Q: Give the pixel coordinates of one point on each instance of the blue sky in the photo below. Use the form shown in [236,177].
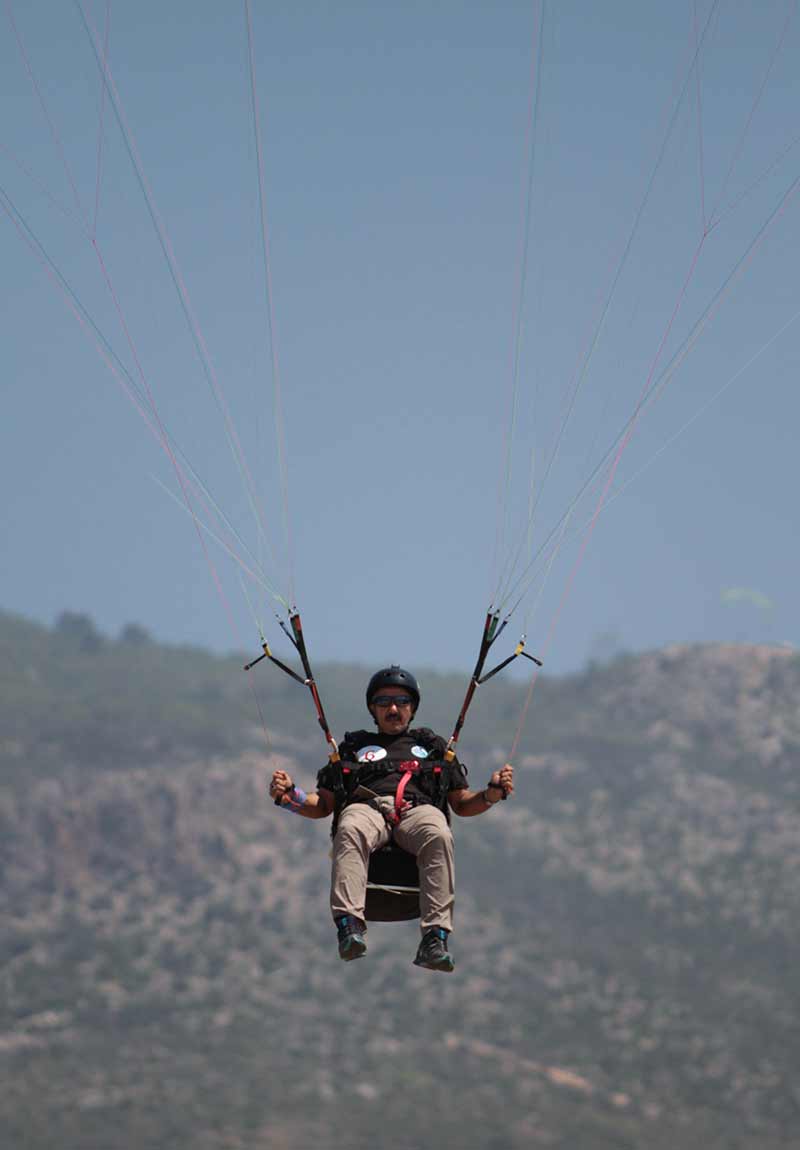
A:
[397,150]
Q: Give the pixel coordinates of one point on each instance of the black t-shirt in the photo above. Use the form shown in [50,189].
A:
[375,761]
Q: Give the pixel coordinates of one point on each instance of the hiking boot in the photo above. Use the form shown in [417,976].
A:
[433,952]
[352,943]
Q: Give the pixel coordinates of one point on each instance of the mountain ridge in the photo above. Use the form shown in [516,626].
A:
[625,938]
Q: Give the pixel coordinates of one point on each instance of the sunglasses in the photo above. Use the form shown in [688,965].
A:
[387,700]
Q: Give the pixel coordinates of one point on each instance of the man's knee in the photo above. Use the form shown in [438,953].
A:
[441,837]
[435,836]
[348,834]
[354,831]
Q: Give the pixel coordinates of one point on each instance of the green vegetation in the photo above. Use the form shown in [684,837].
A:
[75,696]
[626,944]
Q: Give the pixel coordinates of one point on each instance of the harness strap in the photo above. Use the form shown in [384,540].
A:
[409,767]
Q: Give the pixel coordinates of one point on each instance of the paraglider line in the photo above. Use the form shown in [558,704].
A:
[712,221]
[519,300]
[43,188]
[177,279]
[270,302]
[604,493]
[585,358]
[50,123]
[699,100]
[226,547]
[523,579]
[704,408]
[745,258]
[126,381]
[100,130]
[752,187]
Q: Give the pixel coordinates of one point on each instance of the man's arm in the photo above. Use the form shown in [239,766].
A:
[468,803]
[318,805]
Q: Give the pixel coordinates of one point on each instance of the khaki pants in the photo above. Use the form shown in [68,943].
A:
[422,831]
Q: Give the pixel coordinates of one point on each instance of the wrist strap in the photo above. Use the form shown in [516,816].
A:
[297,797]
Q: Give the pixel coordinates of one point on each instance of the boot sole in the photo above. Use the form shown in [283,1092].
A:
[447,966]
[357,950]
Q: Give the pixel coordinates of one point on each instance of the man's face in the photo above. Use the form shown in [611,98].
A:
[392,709]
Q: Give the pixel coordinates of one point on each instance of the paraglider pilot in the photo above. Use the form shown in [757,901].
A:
[393,784]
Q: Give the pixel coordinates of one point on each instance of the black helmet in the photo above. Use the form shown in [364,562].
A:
[393,676]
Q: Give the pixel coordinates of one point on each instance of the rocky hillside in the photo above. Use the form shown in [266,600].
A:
[627,946]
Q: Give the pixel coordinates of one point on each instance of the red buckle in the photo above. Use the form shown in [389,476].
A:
[409,767]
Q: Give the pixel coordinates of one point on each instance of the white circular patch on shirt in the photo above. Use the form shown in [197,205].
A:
[371,754]
[419,752]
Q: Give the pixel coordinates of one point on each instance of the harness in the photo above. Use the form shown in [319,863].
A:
[431,775]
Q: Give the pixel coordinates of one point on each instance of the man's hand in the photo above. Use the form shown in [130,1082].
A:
[280,785]
[500,785]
